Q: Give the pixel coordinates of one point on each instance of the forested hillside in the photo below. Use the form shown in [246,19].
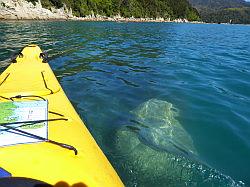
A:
[217,4]
[128,8]
[228,15]
[223,11]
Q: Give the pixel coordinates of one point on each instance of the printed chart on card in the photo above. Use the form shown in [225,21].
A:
[25,116]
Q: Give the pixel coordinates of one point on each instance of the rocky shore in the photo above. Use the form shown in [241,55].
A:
[23,10]
[118,18]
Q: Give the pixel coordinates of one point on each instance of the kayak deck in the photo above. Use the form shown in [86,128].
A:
[30,77]
[43,83]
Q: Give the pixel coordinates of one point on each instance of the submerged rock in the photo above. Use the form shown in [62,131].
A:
[158,128]
[156,150]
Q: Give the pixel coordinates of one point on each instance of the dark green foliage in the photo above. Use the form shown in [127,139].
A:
[128,8]
[33,1]
[223,11]
[229,15]
[218,4]
[46,4]
[57,3]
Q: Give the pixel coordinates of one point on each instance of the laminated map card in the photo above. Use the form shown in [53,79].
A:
[25,116]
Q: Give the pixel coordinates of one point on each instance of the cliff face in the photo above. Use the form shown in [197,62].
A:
[21,9]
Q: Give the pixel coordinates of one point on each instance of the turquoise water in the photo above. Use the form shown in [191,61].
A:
[110,69]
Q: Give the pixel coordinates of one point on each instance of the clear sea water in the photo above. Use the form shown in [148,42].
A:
[109,69]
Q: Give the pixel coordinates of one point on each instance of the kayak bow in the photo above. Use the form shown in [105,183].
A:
[49,142]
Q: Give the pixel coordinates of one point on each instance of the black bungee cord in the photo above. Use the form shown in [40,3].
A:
[8,127]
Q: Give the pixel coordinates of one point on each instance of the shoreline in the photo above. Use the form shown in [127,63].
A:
[132,19]
[123,20]
[106,19]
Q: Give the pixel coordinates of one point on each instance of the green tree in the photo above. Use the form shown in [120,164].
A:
[127,8]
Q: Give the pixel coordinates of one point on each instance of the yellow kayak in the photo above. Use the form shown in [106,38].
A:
[42,138]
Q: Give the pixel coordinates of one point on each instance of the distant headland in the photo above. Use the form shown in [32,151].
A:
[223,11]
